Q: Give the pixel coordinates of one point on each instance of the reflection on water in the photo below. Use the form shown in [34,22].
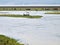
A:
[44,31]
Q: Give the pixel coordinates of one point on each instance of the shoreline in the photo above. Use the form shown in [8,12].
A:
[52,12]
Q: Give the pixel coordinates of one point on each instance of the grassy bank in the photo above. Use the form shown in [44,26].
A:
[23,16]
[4,40]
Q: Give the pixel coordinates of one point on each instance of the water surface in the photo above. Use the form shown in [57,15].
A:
[44,31]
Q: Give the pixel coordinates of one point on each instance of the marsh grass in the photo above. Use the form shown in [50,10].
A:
[23,16]
[5,40]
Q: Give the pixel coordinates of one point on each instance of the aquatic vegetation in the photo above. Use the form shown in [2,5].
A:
[24,16]
[53,12]
[5,40]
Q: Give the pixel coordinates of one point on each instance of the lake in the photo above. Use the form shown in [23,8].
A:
[41,31]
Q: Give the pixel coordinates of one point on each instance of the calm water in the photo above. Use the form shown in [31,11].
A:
[44,31]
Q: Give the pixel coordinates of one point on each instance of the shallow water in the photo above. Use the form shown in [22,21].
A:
[30,12]
[44,31]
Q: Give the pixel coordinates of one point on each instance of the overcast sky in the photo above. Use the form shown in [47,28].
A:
[21,2]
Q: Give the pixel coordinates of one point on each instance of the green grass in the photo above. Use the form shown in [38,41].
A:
[23,16]
[4,40]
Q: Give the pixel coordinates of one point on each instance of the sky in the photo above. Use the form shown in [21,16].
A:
[28,2]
